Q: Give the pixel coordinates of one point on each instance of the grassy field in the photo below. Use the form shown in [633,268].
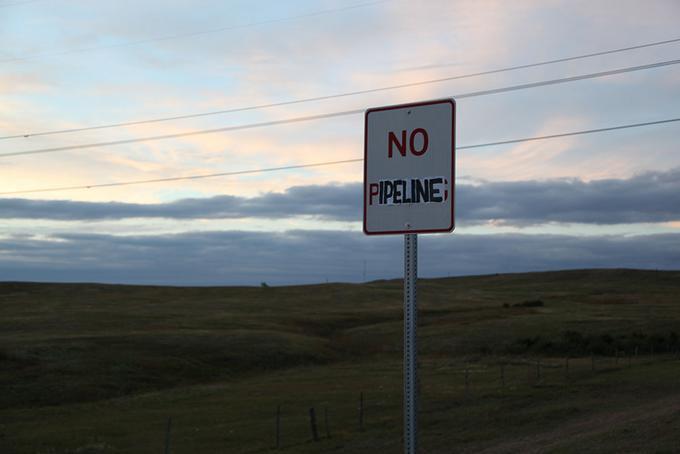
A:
[99,369]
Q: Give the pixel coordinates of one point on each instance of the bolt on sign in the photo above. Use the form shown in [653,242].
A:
[409,168]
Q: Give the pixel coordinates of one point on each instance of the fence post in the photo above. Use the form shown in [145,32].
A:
[361,411]
[325,417]
[167,435]
[278,426]
[312,423]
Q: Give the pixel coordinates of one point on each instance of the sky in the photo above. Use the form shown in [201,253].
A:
[607,199]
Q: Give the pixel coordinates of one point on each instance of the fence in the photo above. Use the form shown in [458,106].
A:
[466,376]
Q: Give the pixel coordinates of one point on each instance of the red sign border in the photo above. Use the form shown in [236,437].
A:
[452,225]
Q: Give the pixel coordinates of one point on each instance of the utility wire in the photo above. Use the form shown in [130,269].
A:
[191,177]
[330,163]
[4,5]
[189,34]
[572,133]
[334,114]
[336,95]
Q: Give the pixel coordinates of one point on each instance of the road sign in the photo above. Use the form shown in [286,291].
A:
[409,172]
[409,168]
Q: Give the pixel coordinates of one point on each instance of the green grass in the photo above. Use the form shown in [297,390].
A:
[98,368]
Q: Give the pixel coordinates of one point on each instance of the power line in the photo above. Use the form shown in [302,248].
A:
[573,133]
[562,80]
[330,163]
[4,5]
[337,95]
[191,177]
[565,59]
[189,34]
[185,134]
[335,114]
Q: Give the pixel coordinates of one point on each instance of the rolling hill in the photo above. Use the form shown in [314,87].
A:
[568,361]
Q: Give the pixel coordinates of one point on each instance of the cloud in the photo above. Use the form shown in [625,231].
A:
[648,198]
[323,201]
[353,50]
[307,256]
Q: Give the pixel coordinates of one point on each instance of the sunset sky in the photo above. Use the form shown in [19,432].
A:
[609,199]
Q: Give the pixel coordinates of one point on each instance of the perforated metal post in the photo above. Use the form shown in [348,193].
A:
[410,344]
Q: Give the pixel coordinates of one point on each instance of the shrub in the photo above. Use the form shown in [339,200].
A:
[575,343]
[530,303]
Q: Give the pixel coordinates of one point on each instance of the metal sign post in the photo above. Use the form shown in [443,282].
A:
[410,343]
[409,182]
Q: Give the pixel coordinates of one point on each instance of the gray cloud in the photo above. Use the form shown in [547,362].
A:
[650,197]
[327,202]
[215,258]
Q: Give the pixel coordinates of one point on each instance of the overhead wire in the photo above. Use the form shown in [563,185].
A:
[335,114]
[188,34]
[190,177]
[330,163]
[572,133]
[4,5]
[336,95]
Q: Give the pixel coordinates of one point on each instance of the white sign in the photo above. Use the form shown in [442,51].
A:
[409,168]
